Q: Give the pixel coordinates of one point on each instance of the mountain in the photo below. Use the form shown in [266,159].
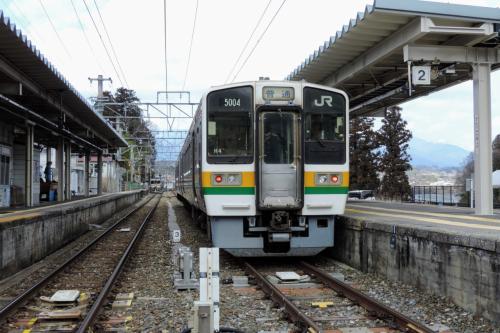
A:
[439,155]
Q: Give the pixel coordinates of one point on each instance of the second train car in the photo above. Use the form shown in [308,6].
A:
[264,167]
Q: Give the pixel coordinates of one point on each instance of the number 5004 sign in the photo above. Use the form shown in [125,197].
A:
[421,75]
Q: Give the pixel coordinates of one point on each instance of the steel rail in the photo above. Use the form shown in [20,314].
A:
[12,305]
[299,318]
[100,301]
[382,311]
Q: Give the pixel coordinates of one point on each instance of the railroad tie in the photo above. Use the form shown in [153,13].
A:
[322,305]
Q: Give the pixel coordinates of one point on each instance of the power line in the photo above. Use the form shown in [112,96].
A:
[258,40]
[31,31]
[248,42]
[102,42]
[110,43]
[190,45]
[87,38]
[165,40]
[54,28]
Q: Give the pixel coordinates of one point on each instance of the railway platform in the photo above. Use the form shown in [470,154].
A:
[29,235]
[446,250]
[448,219]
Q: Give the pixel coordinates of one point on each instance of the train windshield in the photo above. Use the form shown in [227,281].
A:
[229,126]
[325,127]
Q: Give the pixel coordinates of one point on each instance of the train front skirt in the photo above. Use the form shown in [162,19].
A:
[235,236]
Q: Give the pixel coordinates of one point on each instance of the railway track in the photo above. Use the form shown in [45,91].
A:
[92,271]
[298,309]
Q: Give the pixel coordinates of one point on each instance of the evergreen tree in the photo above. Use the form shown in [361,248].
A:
[468,170]
[496,153]
[364,157]
[136,129]
[395,160]
[468,163]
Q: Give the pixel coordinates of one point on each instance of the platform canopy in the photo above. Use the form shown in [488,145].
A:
[367,57]
[31,89]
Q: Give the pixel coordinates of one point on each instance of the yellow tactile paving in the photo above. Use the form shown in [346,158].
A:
[19,216]
[453,216]
[425,219]
[38,211]
[56,205]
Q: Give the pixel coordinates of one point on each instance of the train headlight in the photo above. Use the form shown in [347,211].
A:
[329,179]
[233,179]
[322,179]
[227,179]
[335,179]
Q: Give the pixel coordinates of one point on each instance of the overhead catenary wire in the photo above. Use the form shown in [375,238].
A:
[258,40]
[111,44]
[55,30]
[165,46]
[26,21]
[190,45]
[30,33]
[102,42]
[86,37]
[248,42]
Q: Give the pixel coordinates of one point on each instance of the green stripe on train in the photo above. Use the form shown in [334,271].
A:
[229,190]
[326,190]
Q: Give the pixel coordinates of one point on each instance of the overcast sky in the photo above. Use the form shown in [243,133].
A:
[222,28]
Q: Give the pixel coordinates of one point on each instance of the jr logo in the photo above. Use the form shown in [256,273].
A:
[324,99]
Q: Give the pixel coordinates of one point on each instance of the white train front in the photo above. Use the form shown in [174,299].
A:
[265,167]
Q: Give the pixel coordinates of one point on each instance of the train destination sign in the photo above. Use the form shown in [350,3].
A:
[278,93]
[232,99]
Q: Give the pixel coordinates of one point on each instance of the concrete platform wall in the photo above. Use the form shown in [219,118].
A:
[27,237]
[461,267]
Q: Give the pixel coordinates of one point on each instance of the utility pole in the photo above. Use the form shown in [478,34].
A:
[100,90]
[132,164]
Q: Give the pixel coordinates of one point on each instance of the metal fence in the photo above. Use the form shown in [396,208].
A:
[439,195]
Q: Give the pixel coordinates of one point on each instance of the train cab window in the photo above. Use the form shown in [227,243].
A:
[324,127]
[229,126]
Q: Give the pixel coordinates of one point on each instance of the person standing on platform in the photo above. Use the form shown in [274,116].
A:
[48,172]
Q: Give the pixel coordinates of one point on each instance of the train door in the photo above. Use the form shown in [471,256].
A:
[280,166]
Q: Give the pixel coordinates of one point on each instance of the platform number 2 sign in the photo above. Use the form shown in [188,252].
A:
[421,75]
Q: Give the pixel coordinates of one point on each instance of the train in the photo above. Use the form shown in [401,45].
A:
[265,167]
[156,185]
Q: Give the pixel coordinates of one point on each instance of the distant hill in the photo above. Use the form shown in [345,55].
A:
[438,155]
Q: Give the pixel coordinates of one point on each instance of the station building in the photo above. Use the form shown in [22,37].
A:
[52,142]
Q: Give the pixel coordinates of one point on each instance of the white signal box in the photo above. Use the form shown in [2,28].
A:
[421,75]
